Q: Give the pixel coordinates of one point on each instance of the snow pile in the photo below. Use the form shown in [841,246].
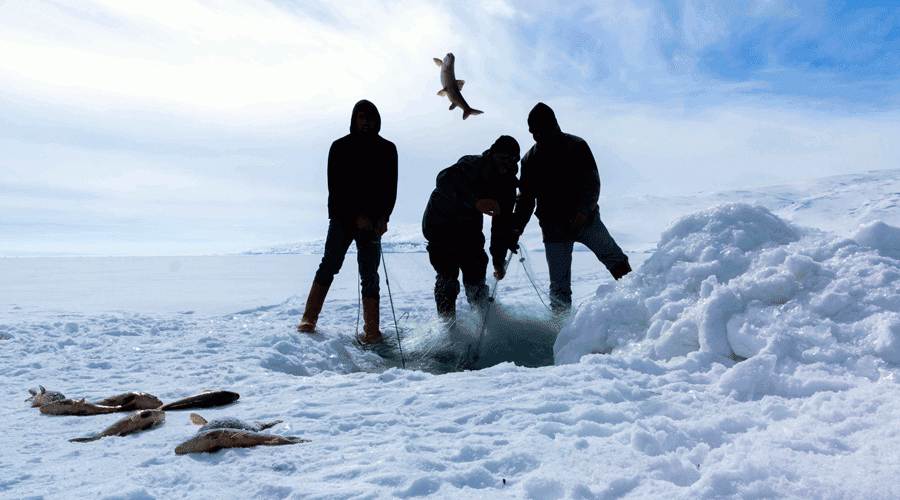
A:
[736,282]
[878,235]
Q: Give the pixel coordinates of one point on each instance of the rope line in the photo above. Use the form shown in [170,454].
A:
[358,303]
[527,274]
[487,310]
[391,298]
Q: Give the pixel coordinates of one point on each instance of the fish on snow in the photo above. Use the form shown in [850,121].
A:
[231,433]
[138,421]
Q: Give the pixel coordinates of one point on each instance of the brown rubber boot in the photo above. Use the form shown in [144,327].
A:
[371,321]
[314,303]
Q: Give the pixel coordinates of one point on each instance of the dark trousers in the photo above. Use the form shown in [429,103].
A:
[368,254]
[593,235]
[447,263]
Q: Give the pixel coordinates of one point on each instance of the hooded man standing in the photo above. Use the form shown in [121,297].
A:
[560,178]
[474,186]
[362,191]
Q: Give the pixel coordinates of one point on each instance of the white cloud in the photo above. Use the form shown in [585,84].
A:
[499,8]
[227,58]
[226,110]
[143,178]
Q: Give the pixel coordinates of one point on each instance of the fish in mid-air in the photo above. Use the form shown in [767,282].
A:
[452,86]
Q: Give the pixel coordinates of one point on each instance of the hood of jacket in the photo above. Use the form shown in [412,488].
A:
[543,117]
[371,110]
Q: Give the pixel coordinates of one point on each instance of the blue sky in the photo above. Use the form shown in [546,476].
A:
[185,127]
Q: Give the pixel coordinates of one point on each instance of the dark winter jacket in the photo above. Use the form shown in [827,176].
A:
[451,219]
[362,172]
[559,179]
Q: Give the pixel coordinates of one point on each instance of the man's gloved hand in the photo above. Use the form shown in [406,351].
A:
[514,243]
[381,227]
[487,207]
[364,223]
[499,272]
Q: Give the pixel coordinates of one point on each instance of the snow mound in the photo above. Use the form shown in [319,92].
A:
[735,282]
[881,237]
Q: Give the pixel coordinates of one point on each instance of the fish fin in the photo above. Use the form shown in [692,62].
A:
[452,105]
[438,62]
[460,83]
[263,427]
[442,92]
[471,112]
[197,419]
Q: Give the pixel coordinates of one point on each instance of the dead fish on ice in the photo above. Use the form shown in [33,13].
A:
[136,422]
[206,399]
[230,423]
[55,403]
[131,401]
[44,397]
[77,407]
[452,86]
[231,433]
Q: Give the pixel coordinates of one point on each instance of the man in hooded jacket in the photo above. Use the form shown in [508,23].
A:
[362,191]
[560,184]
[474,186]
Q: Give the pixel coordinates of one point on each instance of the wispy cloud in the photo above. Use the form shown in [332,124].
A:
[167,110]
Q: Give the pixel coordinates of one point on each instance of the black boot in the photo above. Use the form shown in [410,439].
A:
[445,293]
[477,296]
[446,309]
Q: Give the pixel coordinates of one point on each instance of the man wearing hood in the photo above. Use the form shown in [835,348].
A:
[560,183]
[362,190]
[474,186]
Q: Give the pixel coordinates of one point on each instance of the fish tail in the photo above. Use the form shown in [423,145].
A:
[468,112]
[85,440]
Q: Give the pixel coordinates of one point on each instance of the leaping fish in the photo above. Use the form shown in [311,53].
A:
[452,86]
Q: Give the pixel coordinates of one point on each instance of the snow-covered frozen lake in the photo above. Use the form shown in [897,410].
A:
[750,355]
[210,285]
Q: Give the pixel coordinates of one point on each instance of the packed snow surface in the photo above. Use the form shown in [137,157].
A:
[747,356]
